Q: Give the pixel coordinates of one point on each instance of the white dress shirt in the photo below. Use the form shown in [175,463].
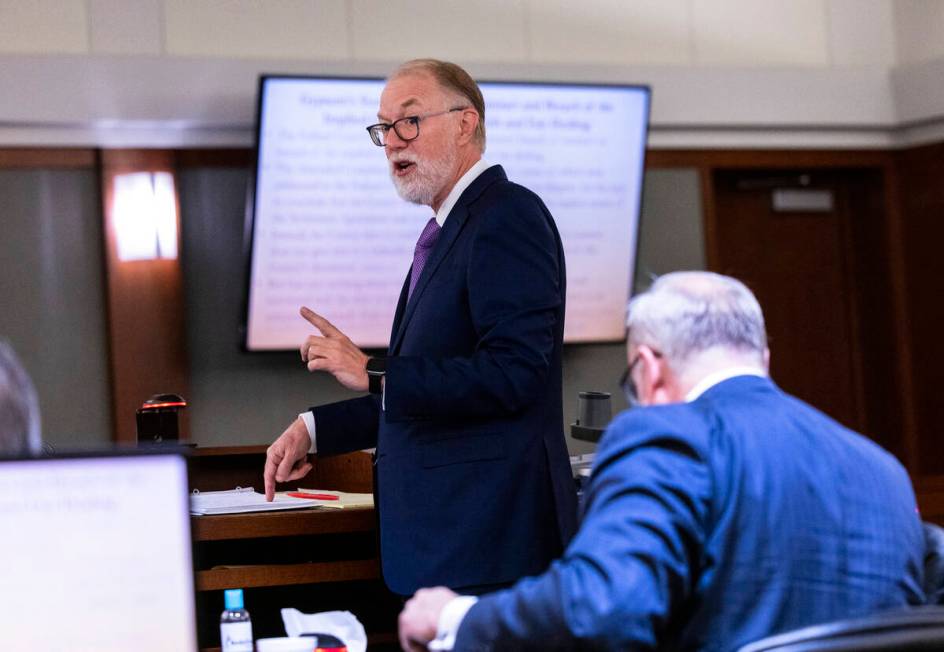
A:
[720,376]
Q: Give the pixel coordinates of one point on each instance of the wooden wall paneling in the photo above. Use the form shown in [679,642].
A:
[920,171]
[929,490]
[764,158]
[237,157]
[145,302]
[655,158]
[47,158]
[876,316]
[900,343]
[846,188]
[875,313]
[710,217]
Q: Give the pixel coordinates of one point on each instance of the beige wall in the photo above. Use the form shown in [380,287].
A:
[725,73]
[817,33]
[920,30]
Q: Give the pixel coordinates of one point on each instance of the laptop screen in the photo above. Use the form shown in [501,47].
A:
[95,554]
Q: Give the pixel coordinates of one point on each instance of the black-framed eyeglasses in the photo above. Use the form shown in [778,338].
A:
[407,128]
[628,385]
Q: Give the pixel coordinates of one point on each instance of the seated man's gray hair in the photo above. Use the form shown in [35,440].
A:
[19,407]
[685,313]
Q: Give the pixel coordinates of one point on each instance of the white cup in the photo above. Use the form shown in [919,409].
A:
[285,644]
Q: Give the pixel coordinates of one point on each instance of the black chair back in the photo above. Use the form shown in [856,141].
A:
[934,563]
[919,628]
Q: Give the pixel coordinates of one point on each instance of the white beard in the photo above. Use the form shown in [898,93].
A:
[427,180]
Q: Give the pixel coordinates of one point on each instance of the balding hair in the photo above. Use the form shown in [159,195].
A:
[456,82]
[684,314]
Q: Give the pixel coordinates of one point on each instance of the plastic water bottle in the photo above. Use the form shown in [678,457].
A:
[235,627]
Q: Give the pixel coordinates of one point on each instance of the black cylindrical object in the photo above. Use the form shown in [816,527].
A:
[157,419]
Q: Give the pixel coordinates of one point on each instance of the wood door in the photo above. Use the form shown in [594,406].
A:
[800,265]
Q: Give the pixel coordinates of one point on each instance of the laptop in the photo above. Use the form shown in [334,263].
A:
[96,553]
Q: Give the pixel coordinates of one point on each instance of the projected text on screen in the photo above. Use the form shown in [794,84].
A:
[330,232]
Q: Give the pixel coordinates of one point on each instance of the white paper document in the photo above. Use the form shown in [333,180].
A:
[240,501]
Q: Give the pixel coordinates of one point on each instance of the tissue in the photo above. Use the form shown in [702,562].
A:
[342,624]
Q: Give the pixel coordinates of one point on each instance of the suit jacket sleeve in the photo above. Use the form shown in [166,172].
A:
[629,566]
[347,426]
[515,293]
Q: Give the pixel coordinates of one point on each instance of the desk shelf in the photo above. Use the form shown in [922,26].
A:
[289,523]
[311,559]
[255,576]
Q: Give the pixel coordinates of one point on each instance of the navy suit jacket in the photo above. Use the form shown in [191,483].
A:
[711,524]
[473,477]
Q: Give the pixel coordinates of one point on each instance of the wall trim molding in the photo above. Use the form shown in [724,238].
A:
[119,134]
[184,102]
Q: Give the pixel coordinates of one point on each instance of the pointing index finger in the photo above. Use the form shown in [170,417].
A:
[268,475]
[319,322]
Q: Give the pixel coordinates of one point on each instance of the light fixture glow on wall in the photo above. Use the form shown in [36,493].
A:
[145,216]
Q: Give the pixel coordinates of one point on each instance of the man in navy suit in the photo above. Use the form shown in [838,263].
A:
[473,483]
[726,512]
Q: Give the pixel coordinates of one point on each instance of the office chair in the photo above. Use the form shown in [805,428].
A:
[933,563]
[918,628]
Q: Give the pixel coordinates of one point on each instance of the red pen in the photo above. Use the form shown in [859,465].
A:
[298,494]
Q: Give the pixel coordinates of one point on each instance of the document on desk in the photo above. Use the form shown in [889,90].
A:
[344,498]
[241,501]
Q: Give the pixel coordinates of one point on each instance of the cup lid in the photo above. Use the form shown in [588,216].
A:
[285,644]
[594,396]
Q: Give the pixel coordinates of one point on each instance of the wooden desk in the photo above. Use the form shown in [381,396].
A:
[313,560]
[304,523]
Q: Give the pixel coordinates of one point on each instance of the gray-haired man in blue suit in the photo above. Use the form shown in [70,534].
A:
[725,512]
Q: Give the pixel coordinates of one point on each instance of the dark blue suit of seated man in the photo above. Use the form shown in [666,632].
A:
[725,512]
[473,484]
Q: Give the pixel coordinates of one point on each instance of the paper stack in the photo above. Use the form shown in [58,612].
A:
[240,501]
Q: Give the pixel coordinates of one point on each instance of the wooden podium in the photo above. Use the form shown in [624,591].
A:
[313,560]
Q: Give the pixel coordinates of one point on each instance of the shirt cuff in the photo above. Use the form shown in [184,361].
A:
[309,419]
[449,620]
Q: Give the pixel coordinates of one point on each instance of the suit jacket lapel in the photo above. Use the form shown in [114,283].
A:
[455,221]
[401,308]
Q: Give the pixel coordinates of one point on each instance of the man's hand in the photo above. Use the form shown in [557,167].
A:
[287,457]
[420,617]
[334,353]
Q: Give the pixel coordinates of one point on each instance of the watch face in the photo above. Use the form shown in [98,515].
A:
[376,365]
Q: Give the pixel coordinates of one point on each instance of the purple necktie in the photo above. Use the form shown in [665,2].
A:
[423,248]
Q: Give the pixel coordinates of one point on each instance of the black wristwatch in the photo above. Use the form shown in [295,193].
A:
[376,368]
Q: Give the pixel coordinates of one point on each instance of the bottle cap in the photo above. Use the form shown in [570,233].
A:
[233,598]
